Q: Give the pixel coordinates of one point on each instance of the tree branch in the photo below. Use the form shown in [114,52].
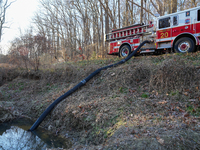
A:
[142,7]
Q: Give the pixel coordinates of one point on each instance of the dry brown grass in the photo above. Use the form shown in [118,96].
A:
[7,73]
[174,75]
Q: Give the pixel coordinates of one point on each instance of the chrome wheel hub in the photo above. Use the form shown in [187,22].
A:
[124,52]
[183,46]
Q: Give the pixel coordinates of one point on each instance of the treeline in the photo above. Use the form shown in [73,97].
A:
[65,30]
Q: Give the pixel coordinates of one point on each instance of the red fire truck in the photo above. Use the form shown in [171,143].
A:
[178,32]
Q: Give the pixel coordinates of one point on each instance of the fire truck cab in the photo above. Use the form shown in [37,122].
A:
[178,32]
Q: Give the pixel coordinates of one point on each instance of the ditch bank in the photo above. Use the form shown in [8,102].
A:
[147,102]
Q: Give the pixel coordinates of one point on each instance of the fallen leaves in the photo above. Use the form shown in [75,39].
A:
[112,74]
[180,110]
[74,112]
[131,91]
[162,102]
[161,141]
[186,115]
[185,93]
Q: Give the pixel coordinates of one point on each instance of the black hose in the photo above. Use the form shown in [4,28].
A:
[48,110]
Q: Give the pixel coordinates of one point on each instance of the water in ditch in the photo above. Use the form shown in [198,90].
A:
[14,136]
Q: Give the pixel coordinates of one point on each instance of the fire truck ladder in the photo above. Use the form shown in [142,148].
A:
[129,31]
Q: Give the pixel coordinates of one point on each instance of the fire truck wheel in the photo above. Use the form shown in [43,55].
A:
[125,51]
[184,45]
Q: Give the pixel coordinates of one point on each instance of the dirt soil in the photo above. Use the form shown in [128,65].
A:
[150,102]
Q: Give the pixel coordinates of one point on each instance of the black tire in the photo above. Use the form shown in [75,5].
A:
[124,51]
[184,45]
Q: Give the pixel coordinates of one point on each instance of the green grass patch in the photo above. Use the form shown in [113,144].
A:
[193,111]
[145,95]
[123,90]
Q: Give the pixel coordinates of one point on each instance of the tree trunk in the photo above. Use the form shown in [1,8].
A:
[126,14]
[102,32]
[132,20]
[119,19]
[173,6]
[141,13]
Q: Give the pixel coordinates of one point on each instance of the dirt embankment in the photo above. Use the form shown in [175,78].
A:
[149,102]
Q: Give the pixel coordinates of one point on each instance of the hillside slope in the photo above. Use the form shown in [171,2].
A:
[149,102]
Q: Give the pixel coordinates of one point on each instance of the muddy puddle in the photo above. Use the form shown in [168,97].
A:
[14,136]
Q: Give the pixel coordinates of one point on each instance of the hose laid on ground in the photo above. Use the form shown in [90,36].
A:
[48,110]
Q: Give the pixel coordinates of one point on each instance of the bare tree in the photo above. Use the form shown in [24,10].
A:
[4,4]
[27,50]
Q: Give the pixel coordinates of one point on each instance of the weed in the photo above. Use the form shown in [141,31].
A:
[123,90]
[3,93]
[20,84]
[114,96]
[10,86]
[114,120]
[193,111]
[54,86]
[145,95]
[21,88]
[9,96]
[173,93]
[158,60]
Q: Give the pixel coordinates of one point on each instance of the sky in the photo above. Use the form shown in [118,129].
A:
[18,16]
